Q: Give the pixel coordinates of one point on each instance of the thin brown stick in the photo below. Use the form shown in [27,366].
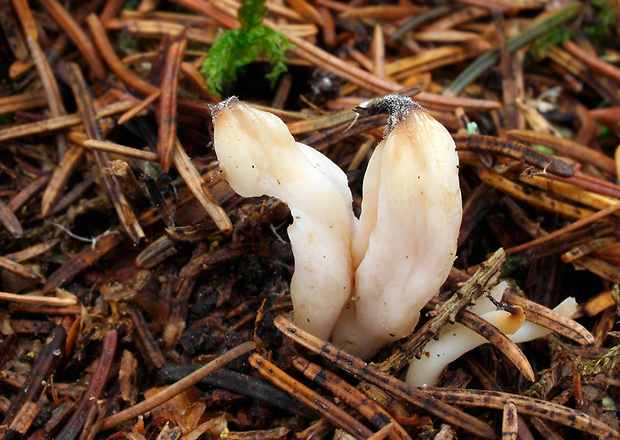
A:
[115,148]
[306,10]
[498,339]
[18,269]
[374,375]
[109,55]
[508,8]
[512,76]
[574,66]
[366,406]
[24,14]
[563,190]
[75,424]
[22,101]
[32,189]
[486,380]
[81,261]
[74,194]
[209,10]
[58,123]
[149,348]
[378,60]
[47,362]
[588,128]
[143,105]
[123,209]
[32,251]
[188,171]
[510,422]
[595,63]
[533,196]
[150,28]
[383,11]
[193,75]
[50,86]
[24,419]
[37,300]
[559,232]
[567,147]
[10,221]
[61,175]
[310,398]
[14,38]
[525,405]
[514,150]
[167,116]
[111,9]
[77,35]
[177,387]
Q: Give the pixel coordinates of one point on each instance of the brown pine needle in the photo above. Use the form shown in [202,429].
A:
[177,387]
[62,173]
[310,398]
[374,375]
[77,35]
[167,130]
[143,105]
[562,231]
[525,405]
[188,171]
[37,299]
[112,147]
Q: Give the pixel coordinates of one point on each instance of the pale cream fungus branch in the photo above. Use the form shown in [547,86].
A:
[362,283]
[455,339]
[406,241]
[259,156]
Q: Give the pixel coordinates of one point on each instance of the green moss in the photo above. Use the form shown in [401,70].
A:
[131,5]
[598,29]
[553,38]
[544,149]
[606,17]
[512,264]
[603,363]
[236,48]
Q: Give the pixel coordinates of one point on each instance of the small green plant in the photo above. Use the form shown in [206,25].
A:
[605,17]
[597,30]
[603,363]
[553,38]
[236,48]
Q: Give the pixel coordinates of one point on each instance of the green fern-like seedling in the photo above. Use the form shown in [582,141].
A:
[236,48]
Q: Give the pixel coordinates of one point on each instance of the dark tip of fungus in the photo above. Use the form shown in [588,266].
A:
[396,106]
[227,103]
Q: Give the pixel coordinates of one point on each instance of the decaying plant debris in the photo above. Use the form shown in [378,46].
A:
[128,264]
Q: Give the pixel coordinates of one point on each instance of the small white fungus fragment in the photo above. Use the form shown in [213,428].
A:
[455,339]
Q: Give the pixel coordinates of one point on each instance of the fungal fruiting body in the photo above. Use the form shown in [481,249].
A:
[361,283]
[405,244]
[259,156]
[455,339]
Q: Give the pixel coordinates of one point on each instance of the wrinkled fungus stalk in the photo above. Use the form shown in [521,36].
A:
[405,244]
[361,283]
[259,156]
